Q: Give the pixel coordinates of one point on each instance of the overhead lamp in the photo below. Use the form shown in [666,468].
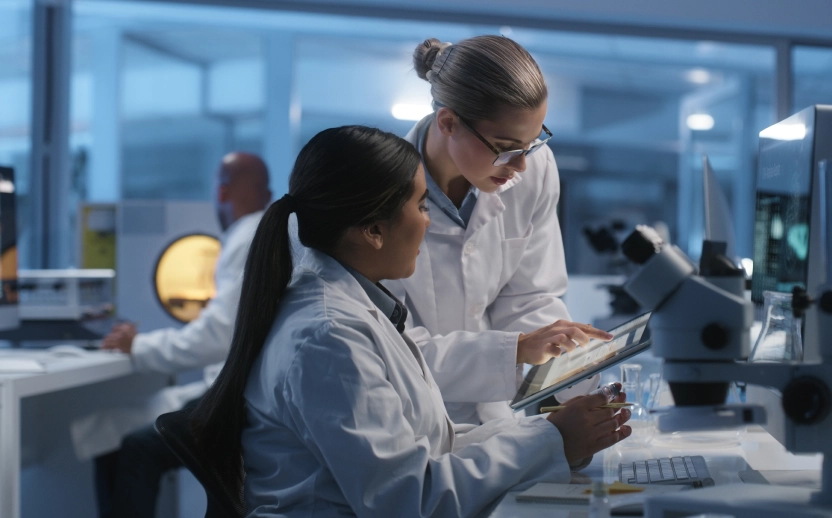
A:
[699,76]
[700,122]
[410,112]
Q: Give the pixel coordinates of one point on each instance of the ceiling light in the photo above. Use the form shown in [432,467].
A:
[699,76]
[700,122]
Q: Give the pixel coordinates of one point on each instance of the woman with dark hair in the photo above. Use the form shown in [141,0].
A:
[324,406]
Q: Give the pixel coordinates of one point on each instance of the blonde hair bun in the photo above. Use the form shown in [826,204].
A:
[425,56]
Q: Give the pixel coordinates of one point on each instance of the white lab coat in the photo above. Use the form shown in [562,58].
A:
[476,289]
[202,343]
[344,418]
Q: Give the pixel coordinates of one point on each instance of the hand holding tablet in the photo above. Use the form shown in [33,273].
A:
[561,372]
[551,341]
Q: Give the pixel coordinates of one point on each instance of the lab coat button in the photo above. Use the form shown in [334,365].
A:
[475,310]
[469,248]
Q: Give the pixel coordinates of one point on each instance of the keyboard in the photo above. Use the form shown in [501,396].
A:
[690,471]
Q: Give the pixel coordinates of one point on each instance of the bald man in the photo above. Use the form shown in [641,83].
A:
[127,481]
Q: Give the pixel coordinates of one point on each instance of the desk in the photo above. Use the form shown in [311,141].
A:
[757,450]
[35,412]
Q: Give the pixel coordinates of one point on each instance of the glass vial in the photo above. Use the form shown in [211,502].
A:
[611,391]
[599,500]
[641,421]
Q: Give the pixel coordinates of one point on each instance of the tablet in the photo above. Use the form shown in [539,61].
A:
[564,371]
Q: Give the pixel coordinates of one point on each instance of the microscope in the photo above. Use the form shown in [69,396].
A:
[700,328]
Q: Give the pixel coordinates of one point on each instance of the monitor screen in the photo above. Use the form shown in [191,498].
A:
[8,250]
[781,222]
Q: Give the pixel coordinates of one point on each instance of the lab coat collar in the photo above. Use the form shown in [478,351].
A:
[488,207]
[385,301]
[334,273]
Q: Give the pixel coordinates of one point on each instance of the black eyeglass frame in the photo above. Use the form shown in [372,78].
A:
[504,157]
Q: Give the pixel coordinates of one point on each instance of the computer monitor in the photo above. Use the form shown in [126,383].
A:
[9,318]
[719,222]
[789,154]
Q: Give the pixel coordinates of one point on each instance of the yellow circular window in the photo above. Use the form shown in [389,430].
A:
[184,277]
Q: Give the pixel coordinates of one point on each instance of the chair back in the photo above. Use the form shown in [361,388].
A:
[175,430]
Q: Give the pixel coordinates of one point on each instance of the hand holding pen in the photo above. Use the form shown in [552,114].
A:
[587,425]
[612,391]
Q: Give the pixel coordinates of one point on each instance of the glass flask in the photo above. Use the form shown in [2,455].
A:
[641,421]
[780,338]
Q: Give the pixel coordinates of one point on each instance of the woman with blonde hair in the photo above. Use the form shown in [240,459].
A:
[485,296]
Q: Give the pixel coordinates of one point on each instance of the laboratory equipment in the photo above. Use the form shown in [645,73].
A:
[611,390]
[700,328]
[790,151]
[718,221]
[642,422]
[780,338]
[144,231]
[599,500]
[63,306]
[66,294]
[687,470]
[184,276]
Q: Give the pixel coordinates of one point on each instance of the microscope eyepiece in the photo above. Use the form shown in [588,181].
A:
[642,244]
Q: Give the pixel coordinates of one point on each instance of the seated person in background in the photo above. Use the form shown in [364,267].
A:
[128,479]
[324,406]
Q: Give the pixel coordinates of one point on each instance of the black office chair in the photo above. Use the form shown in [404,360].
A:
[176,434]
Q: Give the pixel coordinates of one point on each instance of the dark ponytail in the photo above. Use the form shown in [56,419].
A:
[344,177]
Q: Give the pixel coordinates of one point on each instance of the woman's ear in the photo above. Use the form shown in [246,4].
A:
[446,121]
[373,235]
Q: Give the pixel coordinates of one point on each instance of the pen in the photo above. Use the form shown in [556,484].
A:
[545,409]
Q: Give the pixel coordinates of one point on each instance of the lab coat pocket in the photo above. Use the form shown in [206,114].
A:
[513,250]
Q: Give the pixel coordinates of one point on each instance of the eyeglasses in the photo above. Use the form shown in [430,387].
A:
[505,157]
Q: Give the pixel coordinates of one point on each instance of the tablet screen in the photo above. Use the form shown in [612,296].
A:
[583,362]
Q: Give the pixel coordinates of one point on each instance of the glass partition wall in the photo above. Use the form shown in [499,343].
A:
[160,91]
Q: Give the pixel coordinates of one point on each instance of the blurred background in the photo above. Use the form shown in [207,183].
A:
[159,91]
